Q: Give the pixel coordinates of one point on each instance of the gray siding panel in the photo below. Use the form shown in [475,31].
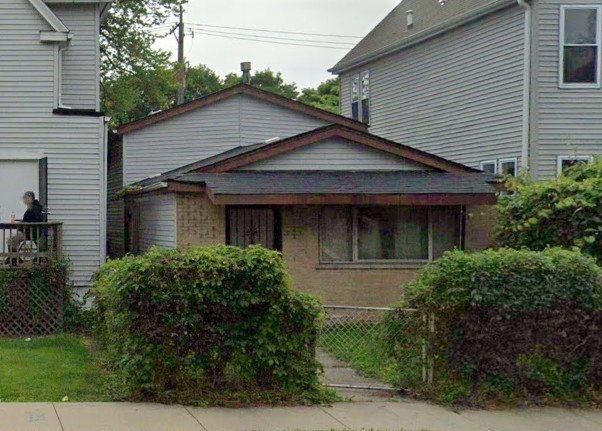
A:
[335,155]
[80,66]
[72,144]
[567,121]
[157,222]
[458,96]
[196,135]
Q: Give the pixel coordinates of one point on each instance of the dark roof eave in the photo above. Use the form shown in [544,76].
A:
[345,65]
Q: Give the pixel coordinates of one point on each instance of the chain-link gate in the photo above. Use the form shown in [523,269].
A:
[360,338]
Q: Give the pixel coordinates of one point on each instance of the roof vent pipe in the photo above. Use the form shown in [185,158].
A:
[245,68]
[410,18]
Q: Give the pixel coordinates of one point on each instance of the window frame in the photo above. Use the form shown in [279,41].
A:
[360,92]
[379,262]
[560,159]
[489,162]
[508,160]
[562,45]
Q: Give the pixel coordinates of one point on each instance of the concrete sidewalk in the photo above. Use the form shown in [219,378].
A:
[406,415]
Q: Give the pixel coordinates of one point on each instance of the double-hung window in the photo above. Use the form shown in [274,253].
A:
[360,97]
[381,234]
[580,44]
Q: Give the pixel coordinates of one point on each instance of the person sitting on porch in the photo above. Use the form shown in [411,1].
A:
[33,214]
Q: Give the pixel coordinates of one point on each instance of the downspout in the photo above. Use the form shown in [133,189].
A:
[525,150]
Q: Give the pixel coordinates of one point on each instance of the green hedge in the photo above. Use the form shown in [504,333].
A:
[507,323]
[209,326]
[564,212]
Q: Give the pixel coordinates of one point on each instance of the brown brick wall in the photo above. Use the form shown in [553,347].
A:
[199,222]
[202,224]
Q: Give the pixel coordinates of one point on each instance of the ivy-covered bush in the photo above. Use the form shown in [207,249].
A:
[564,212]
[209,326]
[508,323]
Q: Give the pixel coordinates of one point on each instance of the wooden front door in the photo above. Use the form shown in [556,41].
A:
[253,226]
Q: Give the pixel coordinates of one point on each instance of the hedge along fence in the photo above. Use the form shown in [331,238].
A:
[208,325]
[508,323]
[33,299]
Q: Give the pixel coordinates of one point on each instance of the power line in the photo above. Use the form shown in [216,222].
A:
[261,30]
[206,32]
[345,44]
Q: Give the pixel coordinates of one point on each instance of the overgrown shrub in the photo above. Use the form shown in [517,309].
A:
[508,323]
[564,212]
[209,326]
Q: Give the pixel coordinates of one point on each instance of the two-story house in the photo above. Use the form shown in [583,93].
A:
[498,85]
[52,135]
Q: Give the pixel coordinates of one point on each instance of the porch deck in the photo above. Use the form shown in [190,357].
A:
[27,244]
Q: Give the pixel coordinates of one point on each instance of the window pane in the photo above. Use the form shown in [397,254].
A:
[508,168]
[355,111]
[355,89]
[336,235]
[488,167]
[446,229]
[365,85]
[580,64]
[580,26]
[569,163]
[366,111]
[392,233]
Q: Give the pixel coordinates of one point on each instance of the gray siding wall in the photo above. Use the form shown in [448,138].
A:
[72,144]
[459,96]
[80,59]
[565,122]
[196,135]
[157,222]
[333,155]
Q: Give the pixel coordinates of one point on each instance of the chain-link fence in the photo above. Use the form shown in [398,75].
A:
[386,344]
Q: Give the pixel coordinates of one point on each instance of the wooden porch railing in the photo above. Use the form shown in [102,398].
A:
[26,244]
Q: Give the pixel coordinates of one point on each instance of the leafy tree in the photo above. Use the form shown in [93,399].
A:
[326,96]
[565,212]
[201,81]
[266,80]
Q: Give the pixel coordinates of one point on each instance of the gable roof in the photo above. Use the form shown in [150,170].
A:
[247,90]
[431,18]
[246,155]
[53,21]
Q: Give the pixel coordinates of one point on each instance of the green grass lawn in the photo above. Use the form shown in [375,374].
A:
[49,369]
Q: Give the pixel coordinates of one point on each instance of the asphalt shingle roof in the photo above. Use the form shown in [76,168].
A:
[333,182]
[429,17]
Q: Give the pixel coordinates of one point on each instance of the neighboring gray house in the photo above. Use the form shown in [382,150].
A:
[52,135]
[495,84]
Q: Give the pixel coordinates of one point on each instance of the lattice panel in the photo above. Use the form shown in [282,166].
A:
[30,305]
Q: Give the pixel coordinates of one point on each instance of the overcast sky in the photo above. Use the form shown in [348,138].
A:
[307,66]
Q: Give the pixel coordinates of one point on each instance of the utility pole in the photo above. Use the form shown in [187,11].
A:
[181,60]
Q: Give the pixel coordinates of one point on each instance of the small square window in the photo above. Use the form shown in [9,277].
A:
[567,162]
[489,166]
[508,167]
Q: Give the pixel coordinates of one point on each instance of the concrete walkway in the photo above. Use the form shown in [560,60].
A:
[396,416]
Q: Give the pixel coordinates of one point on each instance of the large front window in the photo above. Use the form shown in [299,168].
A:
[580,46]
[388,234]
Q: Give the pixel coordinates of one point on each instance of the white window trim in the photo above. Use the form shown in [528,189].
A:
[510,159]
[561,45]
[489,162]
[355,260]
[561,159]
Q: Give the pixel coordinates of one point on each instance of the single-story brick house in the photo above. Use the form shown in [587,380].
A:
[355,215]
